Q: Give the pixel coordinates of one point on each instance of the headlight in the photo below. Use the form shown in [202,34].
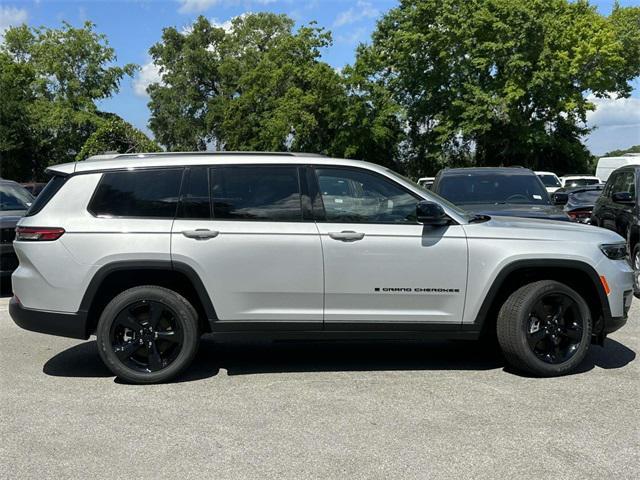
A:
[614,251]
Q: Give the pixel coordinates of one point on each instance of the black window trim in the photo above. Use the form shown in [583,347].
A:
[322,217]
[135,217]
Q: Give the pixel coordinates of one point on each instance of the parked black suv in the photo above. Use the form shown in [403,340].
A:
[617,210]
[505,191]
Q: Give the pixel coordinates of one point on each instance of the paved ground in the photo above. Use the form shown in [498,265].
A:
[441,410]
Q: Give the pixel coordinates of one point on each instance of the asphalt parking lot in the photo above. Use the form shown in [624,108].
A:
[424,410]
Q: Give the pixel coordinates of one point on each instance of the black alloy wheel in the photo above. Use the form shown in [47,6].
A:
[146,336]
[555,328]
[544,328]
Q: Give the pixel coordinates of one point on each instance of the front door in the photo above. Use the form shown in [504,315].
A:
[242,229]
[381,266]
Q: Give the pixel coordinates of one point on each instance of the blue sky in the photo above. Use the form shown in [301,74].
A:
[133,26]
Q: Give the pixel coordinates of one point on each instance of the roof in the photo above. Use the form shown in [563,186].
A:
[487,171]
[577,175]
[179,159]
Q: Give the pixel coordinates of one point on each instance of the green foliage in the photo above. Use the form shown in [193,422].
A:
[501,82]
[261,86]
[619,153]
[50,81]
[116,135]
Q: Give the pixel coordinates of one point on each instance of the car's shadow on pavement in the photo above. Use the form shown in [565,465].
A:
[247,358]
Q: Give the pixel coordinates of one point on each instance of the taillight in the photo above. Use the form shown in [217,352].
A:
[38,234]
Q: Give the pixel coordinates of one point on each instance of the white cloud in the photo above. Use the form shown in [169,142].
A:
[616,121]
[149,73]
[11,17]
[362,10]
[614,111]
[197,6]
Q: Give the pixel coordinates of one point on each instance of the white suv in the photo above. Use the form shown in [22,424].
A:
[149,251]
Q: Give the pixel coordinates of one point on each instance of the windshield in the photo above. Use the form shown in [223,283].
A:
[549,180]
[581,182]
[14,197]
[495,188]
[444,202]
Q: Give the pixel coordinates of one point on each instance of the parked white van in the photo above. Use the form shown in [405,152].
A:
[606,165]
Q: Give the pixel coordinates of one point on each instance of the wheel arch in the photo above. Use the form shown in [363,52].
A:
[578,275]
[116,277]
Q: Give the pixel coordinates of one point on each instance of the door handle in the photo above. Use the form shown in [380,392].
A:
[347,235]
[200,233]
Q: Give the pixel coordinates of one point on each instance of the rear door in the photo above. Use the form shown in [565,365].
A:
[382,268]
[244,230]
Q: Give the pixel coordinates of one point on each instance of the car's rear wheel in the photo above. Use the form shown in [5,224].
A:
[148,334]
[544,328]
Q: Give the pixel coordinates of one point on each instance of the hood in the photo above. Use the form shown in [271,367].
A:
[549,212]
[540,229]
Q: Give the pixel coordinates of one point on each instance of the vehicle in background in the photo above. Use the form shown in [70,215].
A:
[606,165]
[426,182]
[571,181]
[34,188]
[14,203]
[578,201]
[617,210]
[504,191]
[550,181]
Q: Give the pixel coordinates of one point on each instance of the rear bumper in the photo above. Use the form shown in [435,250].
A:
[73,325]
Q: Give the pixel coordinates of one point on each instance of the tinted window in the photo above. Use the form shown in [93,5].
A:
[549,180]
[478,188]
[625,182]
[14,197]
[141,193]
[581,182]
[267,193]
[46,194]
[194,200]
[356,196]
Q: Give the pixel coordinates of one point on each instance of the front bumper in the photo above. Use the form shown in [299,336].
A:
[73,325]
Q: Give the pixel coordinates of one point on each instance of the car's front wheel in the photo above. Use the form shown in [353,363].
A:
[148,334]
[544,328]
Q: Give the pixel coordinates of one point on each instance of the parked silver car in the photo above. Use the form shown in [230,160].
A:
[149,251]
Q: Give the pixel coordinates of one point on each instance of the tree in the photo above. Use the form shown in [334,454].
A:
[260,85]
[621,152]
[116,135]
[53,78]
[501,82]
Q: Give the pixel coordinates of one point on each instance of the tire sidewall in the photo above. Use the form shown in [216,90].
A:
[523,321]
[185,315]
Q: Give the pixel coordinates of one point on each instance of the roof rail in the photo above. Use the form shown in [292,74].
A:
[112,156]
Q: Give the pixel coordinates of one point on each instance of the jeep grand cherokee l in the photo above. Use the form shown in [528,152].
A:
[149,251]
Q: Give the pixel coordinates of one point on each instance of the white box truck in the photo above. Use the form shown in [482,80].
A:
[606,165]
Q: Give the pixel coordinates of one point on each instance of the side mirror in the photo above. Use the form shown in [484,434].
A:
[622,197]
[429,213]
[560,198]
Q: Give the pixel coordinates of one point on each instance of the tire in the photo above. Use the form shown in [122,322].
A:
[635,264]
[530,329]
[148,334]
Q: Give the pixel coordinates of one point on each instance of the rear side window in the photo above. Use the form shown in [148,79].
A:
[266,193]
[194,200]
[47,193]
[141,193]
